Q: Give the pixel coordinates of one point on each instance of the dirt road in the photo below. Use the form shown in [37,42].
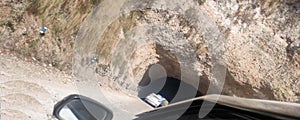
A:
[29,91]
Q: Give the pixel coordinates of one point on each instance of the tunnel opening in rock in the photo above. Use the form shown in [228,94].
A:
[164,78]
[167,90]
[165,86]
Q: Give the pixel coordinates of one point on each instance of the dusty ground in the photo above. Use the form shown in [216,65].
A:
[29,91]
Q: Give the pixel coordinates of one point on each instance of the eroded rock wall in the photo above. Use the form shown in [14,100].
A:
[262,47]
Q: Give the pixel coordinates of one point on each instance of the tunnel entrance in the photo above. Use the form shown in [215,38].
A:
[156,81]
[164,78]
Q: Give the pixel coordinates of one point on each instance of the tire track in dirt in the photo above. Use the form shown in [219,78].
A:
[10,114]
[25,103]
[29,90]
[24,96]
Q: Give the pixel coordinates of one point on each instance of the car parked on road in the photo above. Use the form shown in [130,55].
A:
[156,100]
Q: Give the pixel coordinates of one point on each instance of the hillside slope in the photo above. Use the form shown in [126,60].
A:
[257,42]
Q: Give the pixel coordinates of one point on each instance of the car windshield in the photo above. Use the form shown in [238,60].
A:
[151,58]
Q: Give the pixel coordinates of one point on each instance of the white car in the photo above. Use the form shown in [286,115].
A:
[155,99]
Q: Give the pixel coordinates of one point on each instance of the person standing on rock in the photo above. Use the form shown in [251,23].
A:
[43,31]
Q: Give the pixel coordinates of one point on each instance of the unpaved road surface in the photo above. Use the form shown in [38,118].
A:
[29,91]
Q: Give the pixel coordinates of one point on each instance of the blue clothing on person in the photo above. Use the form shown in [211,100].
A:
[43,30]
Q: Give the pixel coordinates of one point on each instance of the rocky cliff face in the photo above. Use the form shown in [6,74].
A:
[250,46]
[262,48]
[260,40]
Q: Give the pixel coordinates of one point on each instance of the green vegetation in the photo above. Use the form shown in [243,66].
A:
[95,2]
[33,43]
[10,25]
[201,2]
[108,40]
[33,7]
[61,17]
[270,3]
